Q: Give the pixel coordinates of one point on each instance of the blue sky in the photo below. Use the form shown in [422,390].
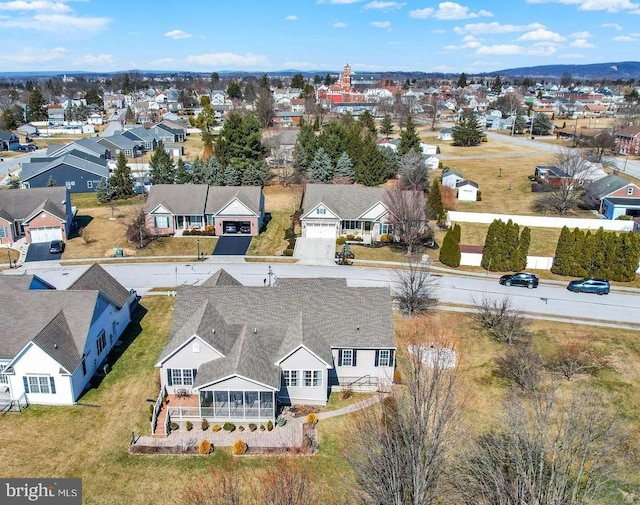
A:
[264,35]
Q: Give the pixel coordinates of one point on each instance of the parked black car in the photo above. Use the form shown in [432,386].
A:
[590,285]
[56,247]
[520,279]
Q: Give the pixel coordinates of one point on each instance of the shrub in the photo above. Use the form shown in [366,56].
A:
[189,425]
[287,252]
[281,421]
[205,425]
[385,238]
[358,238]
[229,427]
[262,427]
[312,418]
[240,428]
[239,447]
[174,426]
[269,425]
[340,240]
[289,234]
[186,232]
[210,229]
[350,236]
[253,427]
[205,447]
[347,393]
[397,377]
[216,427]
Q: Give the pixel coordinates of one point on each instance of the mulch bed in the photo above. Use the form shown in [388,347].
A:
[163,450]
[303,410]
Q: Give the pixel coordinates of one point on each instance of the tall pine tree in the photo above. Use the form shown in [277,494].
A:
[161,168]
[321,169]
[183,176]
[372,169]
[121,179]
[409,139]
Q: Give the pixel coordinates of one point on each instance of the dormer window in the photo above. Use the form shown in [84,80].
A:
[321,210]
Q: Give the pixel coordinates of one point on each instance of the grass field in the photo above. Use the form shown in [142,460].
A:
[90,440]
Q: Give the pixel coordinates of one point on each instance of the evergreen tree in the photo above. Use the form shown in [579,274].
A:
[240,141]
[121,180]
[520,124]
[51,182]
[467,131]
[457,232]
[629,256]
[409,139]
[234,91]
[344,168]
[462,80]
[450,250]
[321,169]
[386,126]
[511,241]
[520,261]
[366,121]
[104,191]
[197,171]
[212,173]
[435,208]
[392,161]
[371,170]
[333,140]
[492,253]
[305,148]
[542,125]
[36,106]
[354,142]
[183,176]
[496,87]
[413,171]
[128,115]
[562,258]
[161,168]
[231,176]
[256,173]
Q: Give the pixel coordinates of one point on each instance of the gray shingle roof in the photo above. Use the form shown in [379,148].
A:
[20,203]
[49,207]
[199,199]
[606,185]
[221,278]
[348,201]
[219,196]
[97,278]
[77,159]
[257,326]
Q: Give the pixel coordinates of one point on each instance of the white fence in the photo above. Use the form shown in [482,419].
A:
[533,262]
[540,221]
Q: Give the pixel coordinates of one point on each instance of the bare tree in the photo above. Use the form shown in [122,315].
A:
[400,456]
[500,318]
[220,487]
[521,364]
[406,214]
[416,289]
[549,449]
[565,194]
[575,358]
[137,228]
[413,171]
[285,482]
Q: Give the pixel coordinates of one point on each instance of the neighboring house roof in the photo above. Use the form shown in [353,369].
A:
[221,278]
[219,197]
[630,131]
[448,172]
[622,201]
[606,185]
[8,136]
[21,203]
[96,277]
[49,207]
[120,141]
[256,327]
[467,183]
[139,133]
[75,158]
[347,201]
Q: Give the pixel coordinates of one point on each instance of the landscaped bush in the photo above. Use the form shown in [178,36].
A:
[239,447]
[186,233]
[397,377]
[269,425]
[240,428]
[205,447]
[216,427]
[281,421]
[340,241]
[228,427]
[289,234]
[205,425]
[350,236]
[174,426]
[287,252]
[189,425]
[311,418]
[151,412]
[262,428]
[385,238]
[253,427]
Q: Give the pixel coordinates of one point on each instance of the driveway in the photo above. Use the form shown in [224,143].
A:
[232,245]
[315,251]
[40,252]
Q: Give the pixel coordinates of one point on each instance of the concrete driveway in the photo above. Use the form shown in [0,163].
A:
[40,252]
[315,251]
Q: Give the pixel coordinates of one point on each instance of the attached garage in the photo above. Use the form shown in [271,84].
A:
[45,234]
[320,230]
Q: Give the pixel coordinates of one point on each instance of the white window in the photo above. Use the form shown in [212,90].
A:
[101,343]
[68,184]
[350,225]
[3,378]
[347,357]
[386,228]
[321,210]
[630,191]
[290,378]
[317,378]
[39,384]
[307,378]
[182,376]
[161,221]
[384,357]
[195,347]
[90,184]
[3,232]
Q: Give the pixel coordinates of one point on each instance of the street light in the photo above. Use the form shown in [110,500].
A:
[9,256]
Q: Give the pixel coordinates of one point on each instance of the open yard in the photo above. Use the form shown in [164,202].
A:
[90,440]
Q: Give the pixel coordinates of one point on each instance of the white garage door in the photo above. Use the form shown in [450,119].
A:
[321,230]
[45,234]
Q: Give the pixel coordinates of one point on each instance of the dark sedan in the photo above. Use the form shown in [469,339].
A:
[590,285]
[56,247]
[520,279]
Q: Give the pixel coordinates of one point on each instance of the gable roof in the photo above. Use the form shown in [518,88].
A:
[348,201]
[87,145]
[120,141]
[221,278]
[49,207]
[218,197]
[97,278]
[74,158]
[606,185]
[255,327]
[467,183]
[448,172]
[21,203]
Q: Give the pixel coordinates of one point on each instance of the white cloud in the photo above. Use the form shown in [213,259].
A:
[384,6]
[59,24]
[228,60]
[381,24]
[95,60]
[38,5]
[541,34]
[339,2]
[624,38]
[495,27]
[449,11]
[580,35]
[468,42]
[32,56]
[594,5]
[177,34]
[339,24]
[291,18]
[501,49]
[615,26]
[581,44]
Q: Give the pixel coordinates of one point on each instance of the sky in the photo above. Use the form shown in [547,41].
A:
[308,35]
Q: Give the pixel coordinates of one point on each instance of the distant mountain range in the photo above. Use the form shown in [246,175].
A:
[624,71]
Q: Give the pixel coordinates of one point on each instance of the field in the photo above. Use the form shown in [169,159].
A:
[90,440]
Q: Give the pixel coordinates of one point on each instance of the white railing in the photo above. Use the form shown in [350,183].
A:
[167,425]
[156,409]
[223,413]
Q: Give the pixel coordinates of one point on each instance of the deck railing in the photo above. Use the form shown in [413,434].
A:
[222,413]
[156,409]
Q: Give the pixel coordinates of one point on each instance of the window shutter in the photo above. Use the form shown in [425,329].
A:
[169,378]
[26,384]
[340,357]
[155,222]
[377,358]
[354,357]
[392,355]
[194,371]
[53,385]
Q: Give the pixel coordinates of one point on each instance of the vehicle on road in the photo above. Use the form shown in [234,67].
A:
[590,285]
[520,279]
[56,247]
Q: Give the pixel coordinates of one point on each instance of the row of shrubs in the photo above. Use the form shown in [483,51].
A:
[230,427]
[208,232]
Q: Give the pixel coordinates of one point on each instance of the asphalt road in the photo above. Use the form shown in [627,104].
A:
[547,301]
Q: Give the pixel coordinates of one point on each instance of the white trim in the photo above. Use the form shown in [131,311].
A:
[183,345]
[253,381]
[302,346]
